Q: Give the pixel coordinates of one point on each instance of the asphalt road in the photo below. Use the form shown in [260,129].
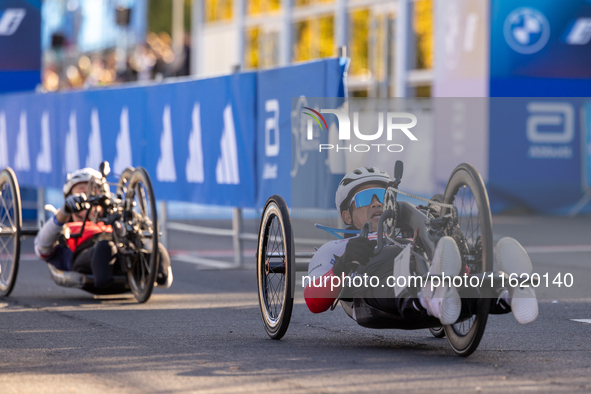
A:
[205,334]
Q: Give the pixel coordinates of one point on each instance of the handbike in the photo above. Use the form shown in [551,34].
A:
[462,212]
[131,211]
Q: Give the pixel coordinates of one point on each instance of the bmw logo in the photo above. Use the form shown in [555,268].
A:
[526,30]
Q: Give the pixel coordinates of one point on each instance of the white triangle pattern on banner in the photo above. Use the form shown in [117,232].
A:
[165,169]
[21,158]
[44,157]
[194,168]
[226,171]
[71,154]
[123,159]
[95,146]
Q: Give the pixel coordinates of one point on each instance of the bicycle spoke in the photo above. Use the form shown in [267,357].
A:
[274,282]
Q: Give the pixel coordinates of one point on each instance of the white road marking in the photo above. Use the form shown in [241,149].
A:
[586,321]
[558,249]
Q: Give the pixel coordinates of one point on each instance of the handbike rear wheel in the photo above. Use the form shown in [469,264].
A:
[275,267]
[465,189]
[10,230]
[140,199]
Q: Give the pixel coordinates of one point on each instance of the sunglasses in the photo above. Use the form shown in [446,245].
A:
[365,197]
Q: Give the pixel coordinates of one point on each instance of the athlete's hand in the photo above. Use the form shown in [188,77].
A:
[359,249]
[75,203]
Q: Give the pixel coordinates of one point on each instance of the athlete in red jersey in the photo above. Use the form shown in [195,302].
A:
[60,243]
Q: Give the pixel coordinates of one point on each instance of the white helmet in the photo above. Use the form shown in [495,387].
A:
[79,176]
[354,180]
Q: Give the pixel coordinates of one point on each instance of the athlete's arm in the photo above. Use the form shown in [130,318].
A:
[319,291]
[47,237]
[329,266]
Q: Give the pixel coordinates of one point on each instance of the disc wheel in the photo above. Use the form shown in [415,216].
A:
[10,230]
[140,201]
[465,189]
[275,267]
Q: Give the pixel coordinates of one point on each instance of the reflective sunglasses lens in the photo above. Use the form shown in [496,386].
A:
[365,197]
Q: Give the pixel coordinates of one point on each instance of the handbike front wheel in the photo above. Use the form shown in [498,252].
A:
[123,182]
[437,332]
[10,230]
[465,189]
[275,267]
[140,200]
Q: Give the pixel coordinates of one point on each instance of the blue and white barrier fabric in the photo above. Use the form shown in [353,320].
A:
[197,139]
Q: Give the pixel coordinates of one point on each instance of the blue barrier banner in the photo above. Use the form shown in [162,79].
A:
[587,145]
[535,155]
[197,139]
[20,45]
[282,161]
[201,144]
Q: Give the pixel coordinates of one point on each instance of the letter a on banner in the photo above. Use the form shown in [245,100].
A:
[226,171]
[165,169]
[3,141]
[71,162]
[123,144]
[95,146]
[21,158]
[194,169]
[44,157]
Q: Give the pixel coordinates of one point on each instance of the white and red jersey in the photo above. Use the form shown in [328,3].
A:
[46,241]
[319,297]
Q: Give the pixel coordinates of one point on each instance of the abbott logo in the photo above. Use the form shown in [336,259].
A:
[395,121]
[550,123]
[10,20]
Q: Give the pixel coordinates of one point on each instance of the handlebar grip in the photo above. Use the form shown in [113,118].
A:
[439,221]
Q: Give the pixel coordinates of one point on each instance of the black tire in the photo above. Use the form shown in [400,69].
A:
[465,189]
[140,199]
[10,230]
[437,332]
[275,267]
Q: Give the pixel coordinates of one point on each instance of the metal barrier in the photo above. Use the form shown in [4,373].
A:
[236,232]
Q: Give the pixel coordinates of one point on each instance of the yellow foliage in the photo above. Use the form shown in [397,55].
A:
[423,27]
[359,42]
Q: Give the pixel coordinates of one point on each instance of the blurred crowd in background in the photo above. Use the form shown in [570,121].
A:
[152,60]
[103,42]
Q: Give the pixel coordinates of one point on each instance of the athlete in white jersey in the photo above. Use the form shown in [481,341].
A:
[359,199]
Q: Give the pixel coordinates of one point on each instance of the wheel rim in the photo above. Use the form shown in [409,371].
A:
[143,270]
[467,192]
[8,229]
[272,284]
[470,225]
[124,182]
